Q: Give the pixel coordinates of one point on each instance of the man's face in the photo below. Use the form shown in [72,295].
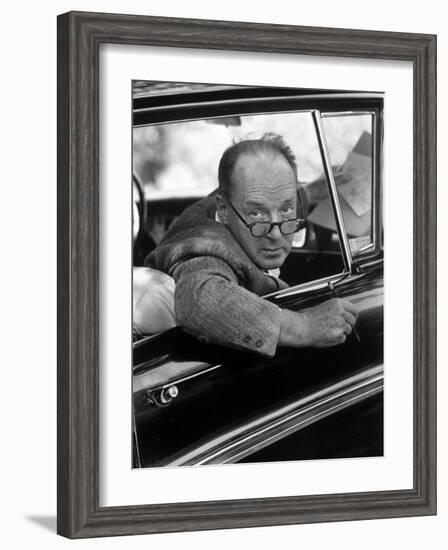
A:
[264,188]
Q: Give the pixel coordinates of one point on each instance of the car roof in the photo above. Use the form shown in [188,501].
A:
[156,92]
[156,102]
[152,88]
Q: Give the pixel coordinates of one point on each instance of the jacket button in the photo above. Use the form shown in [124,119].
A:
[259,343]
[247,338]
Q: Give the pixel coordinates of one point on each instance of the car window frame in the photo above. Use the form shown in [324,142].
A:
[375,212]
[374,251]
[327,103]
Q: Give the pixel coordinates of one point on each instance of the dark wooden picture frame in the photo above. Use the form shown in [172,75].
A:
[79,38]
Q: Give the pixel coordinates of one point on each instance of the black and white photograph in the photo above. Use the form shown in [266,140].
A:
[224,258]
[257,276]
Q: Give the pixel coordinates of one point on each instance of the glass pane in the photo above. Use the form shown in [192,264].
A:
[350,143]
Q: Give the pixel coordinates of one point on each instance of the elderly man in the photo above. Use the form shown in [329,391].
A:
[225,251]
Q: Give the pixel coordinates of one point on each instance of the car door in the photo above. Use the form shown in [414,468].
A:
[206,404]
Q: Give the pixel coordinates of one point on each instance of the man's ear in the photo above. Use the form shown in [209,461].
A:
[221,208]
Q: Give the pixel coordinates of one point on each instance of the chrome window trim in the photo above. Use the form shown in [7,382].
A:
[326,161]
[366,248]
[345,113]
[308,286]
[142,381]
[235,114]
[246,439]
[374,184]
[245,101]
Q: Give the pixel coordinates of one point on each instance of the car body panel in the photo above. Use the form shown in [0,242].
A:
[219,388]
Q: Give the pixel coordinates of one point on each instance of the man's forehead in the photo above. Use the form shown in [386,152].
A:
[260,160]
[259,194]
[257,178]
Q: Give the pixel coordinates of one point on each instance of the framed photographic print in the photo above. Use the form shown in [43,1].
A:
[246,274]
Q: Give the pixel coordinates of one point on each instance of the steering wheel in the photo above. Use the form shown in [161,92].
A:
[139,204]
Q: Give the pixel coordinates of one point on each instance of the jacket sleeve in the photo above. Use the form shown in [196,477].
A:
[210,304]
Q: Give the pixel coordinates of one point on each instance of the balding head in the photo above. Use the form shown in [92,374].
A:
[268,146]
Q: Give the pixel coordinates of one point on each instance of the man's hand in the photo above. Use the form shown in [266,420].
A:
[327,324]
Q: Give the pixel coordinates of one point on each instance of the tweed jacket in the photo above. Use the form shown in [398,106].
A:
[218,287]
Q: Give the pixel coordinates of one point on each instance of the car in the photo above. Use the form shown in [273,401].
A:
[197,403]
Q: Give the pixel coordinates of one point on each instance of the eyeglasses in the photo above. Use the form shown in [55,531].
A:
[260,229]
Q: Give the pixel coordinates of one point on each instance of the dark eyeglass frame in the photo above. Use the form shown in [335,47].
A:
[300,222]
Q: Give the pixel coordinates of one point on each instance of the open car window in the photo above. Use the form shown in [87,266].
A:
[178,163]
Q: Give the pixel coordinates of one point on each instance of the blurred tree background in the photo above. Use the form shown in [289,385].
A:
[181,159]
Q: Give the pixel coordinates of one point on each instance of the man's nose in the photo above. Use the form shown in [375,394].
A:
[275,233]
